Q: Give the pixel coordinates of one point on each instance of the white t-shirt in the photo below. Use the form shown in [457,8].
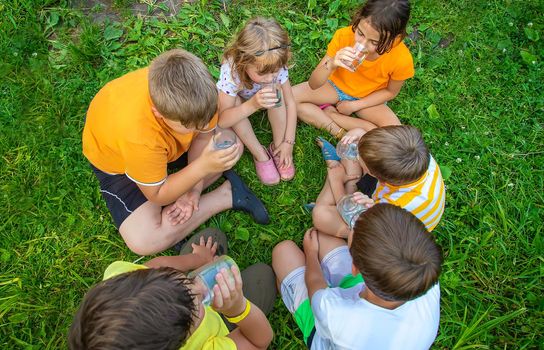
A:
[229,82]
[343,320]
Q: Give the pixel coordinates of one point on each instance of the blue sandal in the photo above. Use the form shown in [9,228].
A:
[308,207]
[328,150]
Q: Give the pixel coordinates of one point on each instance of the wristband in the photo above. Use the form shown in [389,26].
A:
[289,142]
[243,315]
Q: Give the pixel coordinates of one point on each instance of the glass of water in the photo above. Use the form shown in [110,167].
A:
[350,210]
[360,54]
[223,138]
[347,150]
[273,86]
[205,275]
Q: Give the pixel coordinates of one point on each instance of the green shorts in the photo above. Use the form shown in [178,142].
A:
[336,266]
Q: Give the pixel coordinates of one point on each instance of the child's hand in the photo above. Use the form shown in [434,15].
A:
[285,151]
[344,57]
[360,198]
[182,209]
[205,249]
[311,242]
[346,107]
[265,98]
[214,161]
[353,136]
[228,297]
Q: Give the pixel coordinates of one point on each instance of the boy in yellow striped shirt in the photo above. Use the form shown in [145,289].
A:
[397,169]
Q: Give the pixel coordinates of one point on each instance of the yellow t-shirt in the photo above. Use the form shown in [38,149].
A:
[425,197]
[123,136]
[212,332]
[370,76]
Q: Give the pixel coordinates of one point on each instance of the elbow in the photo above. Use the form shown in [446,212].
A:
[267,339]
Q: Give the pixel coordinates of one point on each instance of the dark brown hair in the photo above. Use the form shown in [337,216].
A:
[182,89]
[252,47]
[397,257]
[143,309]
[395,154]
[387,17]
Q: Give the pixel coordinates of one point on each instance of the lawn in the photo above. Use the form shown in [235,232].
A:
[477,96]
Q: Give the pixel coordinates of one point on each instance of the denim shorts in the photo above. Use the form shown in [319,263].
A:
[342,96]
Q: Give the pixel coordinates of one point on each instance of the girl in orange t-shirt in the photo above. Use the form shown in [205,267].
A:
[365,66]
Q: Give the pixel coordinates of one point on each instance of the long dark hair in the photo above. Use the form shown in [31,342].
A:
[387,17]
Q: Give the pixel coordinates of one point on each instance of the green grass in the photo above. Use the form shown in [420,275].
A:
[479,102]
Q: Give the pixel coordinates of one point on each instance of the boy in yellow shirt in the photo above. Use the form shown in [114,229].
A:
[155,306]
[145,120]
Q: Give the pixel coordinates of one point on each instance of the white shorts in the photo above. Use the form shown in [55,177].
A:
[335,265]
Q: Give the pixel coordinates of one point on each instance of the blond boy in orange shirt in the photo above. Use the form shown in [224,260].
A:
[145,120]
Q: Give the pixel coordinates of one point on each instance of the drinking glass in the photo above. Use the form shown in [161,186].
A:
[273,86]
[223,138]
[206,275]
[360,54]
[350,210]
[347,150]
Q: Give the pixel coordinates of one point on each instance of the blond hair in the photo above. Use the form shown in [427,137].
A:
[182,89]
[395,154]
[262,43]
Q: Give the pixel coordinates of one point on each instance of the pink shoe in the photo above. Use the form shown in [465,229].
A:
[266,171]
[286,174]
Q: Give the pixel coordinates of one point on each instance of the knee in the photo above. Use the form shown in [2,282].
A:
[281,250]
[319,213]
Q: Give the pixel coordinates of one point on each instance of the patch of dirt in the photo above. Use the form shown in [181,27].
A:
[445,42]
[105,10]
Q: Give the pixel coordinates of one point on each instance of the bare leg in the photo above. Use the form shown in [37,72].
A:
[147,230]
[353,173]
[286,257]
[380,115]
[308,102]
[325,216]
[245,133]
[328,243]
[348,122]
[278,121]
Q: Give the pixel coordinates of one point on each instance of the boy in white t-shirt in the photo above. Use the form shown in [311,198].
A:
[396,306]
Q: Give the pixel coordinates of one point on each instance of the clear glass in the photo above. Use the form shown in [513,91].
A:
[360,54]
[347,150]
[350,210]
[206,275]
[223,138]
[273,86]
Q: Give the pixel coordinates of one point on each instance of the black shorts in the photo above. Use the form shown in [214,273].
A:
[122,195]
[367,184]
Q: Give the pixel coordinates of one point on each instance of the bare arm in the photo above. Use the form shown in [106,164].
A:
[183,263]
[211,161]
[230,113]
[313,277]
[254,331]
[328,65]
[290,103]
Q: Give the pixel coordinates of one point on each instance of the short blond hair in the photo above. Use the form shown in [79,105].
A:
[259,35]
[182,89]
[395,154]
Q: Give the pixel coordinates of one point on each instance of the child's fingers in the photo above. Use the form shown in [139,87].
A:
[201,240]
[214,248]
[217,297]
[237,277]
[209,242]
[222,283]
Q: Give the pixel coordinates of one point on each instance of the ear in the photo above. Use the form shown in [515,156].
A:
[354,270]
[156,113]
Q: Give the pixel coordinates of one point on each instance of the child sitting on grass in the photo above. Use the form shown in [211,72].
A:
[141,123]
[254,76]
[395,157]
[155,306]
[378,29]
[396,303]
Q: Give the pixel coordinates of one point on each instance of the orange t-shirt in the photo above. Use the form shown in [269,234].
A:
[370,76]
[123,136]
